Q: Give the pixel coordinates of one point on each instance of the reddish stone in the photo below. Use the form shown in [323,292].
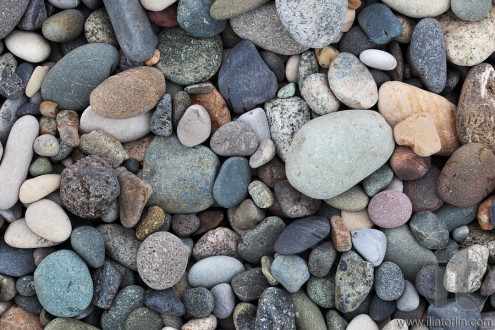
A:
[341,237]
[215,105]
[353,4]
[136,149]
[218,242]
[407,165]
[423,191]
[272,172]
[209,220]
[15,318]
[484,214]
[390,209]
[166,17]
[134,193]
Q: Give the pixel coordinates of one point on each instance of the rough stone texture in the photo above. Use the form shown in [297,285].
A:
[106,281]
[464,272]
[316,92]
[219,241]
[98,28]
[194,17]
[390,209]
[17,318]
[418,131]
[180,182]
[423,191]
[249,285]
[389,281]
[127,300]
[104,145]
[282,317]
[214,104]
[134,193]
[234,138]
[121,244]
[11,13]
[341,237]
[471,10]
[429,230]
[67,127]
[224,9]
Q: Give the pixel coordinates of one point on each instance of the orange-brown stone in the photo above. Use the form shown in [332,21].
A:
[341,237]
[136,149]
[215,105]
[484,214]
[15,318]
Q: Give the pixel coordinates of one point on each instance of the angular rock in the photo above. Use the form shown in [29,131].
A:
[134,193]
[302,234]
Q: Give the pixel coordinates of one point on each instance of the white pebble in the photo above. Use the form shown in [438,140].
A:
[156,5]
[48,220]
[19,235]
[34,189]
[378,59]
[361,322]
[34,83]
[29,46]
[257,121]
[194,127]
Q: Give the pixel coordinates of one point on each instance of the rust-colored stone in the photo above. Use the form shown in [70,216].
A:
[15,318]
[407,165]
[151,222]
[68,127]
[136,149]
[209,220]
[48,126]
[49,109]
[166,17]
[353,4]
[484,214]
[215,105]
[134,193]
[341,237]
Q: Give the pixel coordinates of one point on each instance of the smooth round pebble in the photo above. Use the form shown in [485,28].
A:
[46,145]
[378,59]
[389,281]
[27,45]
[89,243]
[214,270]
[48,220]
[194,127]
[199,302]
[389,209]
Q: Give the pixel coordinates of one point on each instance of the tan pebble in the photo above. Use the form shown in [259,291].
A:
[206,323]
[292,67]
[353,4]
[398,100]
[36,188]
[484,214]
[49,109]
[19,235]
[194,127]
[68,127]
[408,26]
[418,132]
[326,55]
[356,220]
[48,220]
[151,222]
[48,126]
[134,193]
[154,59]
[349,18]
[137,148]
[265,153]
[341,236]
[36,79]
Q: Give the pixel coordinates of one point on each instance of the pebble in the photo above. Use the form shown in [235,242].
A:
[28,109]
[92,203]
[137,43]
[19,235]
[266,265]
[230,187]
[89,243]
[291,68]
[194,127]
[302,234]
[63,284]
[263,27]
[464,272]
[381,310]
[194,17]
[419,8]
[414,100]
[12,12]
[316,92]
[249,285]
[178,185]
[124,130]
[460,234]
[213,103]
[28,46]
[9,117]
[390,209]
[407,165]
[303,20]
[35,189]
[423,193]
[126,300]
[247,215]
[287,91]
[473,11]
[378,59]
[409,300]
[264,154]
[72,79]
[256,120]
[276,64]
[15,262]
[16,159]
[260,240]
[161,270]
[104,145]
[244,316]
[48,220]
[164,302]
[292,203]
[379,23]
[389,281]
[429,230]
[451,310]
[260,193]
[351,82]
[25,286]
[134,193]
[378,180]
[362,321]
[63,26]
[68,126]
[106,281]
[246,88]
[282,317]
[65,4]
[206,323]
[214,270]
[308,65]
[199,302]
[134,92]
[322,291]
[462,48]
[29,304]
[371,244]
[308,315]
[224,300]
[187,60]
[11,87]
[234,138]
[16,317]
[98,28]
[321,259]
[353,281]
[143,317]
[335,321]
[185,224]
[120,244]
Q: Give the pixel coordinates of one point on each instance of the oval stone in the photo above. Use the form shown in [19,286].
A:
[63,26]
[129,93]
[48,220]
[194,127]
[214,270]
[18,235]
[419,8]
[231,184]
[378,59]
[63,284]
[360,139]
[390,209]
[301,234]
[27,45]
[72,79]
[11,13]
[194,17]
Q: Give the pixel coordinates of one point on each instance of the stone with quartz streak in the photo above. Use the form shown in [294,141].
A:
[476,108]
[16,159]
[134,193]
[397,101]
[418,132]
[36,188]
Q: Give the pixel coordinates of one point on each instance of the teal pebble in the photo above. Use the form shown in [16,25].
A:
[40,166]
[287,91]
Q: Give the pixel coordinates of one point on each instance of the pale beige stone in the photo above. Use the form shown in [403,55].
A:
[396,324]
[349,18]
[397,101]
[408,26]
[356,220]
[34,189]
[48,220]
[265,152]
[34,83]
[361,322]
[194,127]
[418,132]
[19,235]
[317,94]
[206,323]
[156,5]
[4,305]
[326,55]
[291,68]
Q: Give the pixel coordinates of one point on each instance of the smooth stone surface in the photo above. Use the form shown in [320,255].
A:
[429,230]
[464,272]
[63,26]
[256,119]
[389,281]
[230,187]
[378,59]
[254,84]
[409,300]
[164,302]
[390,209]
[371,244]
[104,145]
[224,9]
[214,270]
[132,28]
[313,23]
[321,259]
[351,82]
[452,309]
[199,302]
[19,235]
[11,14]
[378,180]
[249,285]
[48,220]
[124,130]
[8,112]
[143,317]
[194,127]
[302,234]
[63,284]
[282,317]
[194,17]
[224,300]
[129,93]
[35,189]
[29,46]
[219,241]
[72,79]
[355,41]
[15,262]
[308,315]
[292,203]
[418,131]
[354,199]
[127,300]
[234,139]
[379,23]
[310,163]
[263,27]
[308,65]
[168,166]
[316,92]
[419,8]
[322,291]
[89,243]
[471,10]
[16,159]
[187,60]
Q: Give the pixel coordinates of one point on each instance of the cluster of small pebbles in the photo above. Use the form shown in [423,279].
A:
[247,164]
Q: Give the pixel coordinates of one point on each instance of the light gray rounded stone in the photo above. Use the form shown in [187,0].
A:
[214,270]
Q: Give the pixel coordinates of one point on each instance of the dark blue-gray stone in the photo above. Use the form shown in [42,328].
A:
[187,60]
[63,284]
[429,230]
[29,304]
[429,283]
[25,286]
[231,184]
[199,302]
[89,243]
[454,216]
[428,55]
[245,80]
[379,23]
[389,281]
[70,82]
[161,120]
[8,116]
[70,45]
[93,4]
[471,10]
[194,17]
[275,63]
[164,302]
[249,285]
[11,12]
[302,234]
[381,309]
[182,178]
[444,317]
[106,281]
[34,16]
[25,70]
[126,63]
[380,77]
[275,311]
[132,28]
[127,300]
[355,41]
[131,165]
[11,87]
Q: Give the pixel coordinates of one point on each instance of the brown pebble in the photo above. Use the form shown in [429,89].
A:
[166,17]
[423,193]
[151,222]
[484,214]
[272,172]
[68,127]
[77,154]
[247,215]
[49,109]
[294,204]
[209,220]
[407,165]
[40,253]
[153,59]
[354,4]
[218,242]
[15,318]
[134,193]
[48,126]
[341,237]
[215,105]
[185,224]
[136,149]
